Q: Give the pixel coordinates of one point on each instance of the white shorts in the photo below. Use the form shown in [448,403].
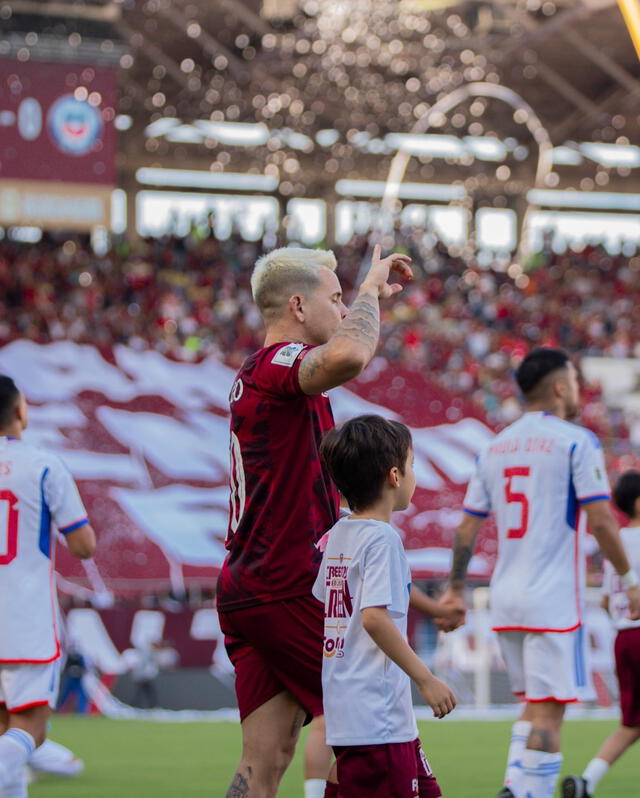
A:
[548,666]
[25,686]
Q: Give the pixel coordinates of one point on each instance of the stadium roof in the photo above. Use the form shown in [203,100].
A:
[315,90]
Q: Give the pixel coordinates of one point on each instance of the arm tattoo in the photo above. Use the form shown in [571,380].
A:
[461,557]
[240,785]
[362,323]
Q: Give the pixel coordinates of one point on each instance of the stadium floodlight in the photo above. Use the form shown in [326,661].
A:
[625,155]
[486,148]
[238,134]
[191,178]
[602,200]
[421,144]
[566,156]
[424,191]
[161,126]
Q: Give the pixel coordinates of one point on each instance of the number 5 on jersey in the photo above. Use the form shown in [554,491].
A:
[512,497]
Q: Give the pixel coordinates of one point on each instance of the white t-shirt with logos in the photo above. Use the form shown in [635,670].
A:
[612,586]
[37,493]
[367,697]
[535,476]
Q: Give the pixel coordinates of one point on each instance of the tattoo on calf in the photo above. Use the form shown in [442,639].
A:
[539,739]
[240,785]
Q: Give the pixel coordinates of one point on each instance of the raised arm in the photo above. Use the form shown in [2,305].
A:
[604,527]
[347,353]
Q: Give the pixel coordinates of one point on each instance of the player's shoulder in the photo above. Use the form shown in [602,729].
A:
[283,354]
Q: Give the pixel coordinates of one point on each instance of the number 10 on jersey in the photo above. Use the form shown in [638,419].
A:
[513,497]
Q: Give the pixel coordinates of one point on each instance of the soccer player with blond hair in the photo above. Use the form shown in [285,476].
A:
[282,497]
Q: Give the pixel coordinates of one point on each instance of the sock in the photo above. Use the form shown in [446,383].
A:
[51,757]
[331,790]
[594,773]
[519,735]
[16,746]
[314,788]
[540,771]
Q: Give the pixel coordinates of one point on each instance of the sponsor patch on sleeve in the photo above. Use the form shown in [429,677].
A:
[287,355]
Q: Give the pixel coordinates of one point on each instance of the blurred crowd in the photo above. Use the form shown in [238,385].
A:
[463,324]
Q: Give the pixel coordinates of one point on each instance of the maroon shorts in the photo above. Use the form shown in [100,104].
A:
[627,650]
[394,770]
[276,647]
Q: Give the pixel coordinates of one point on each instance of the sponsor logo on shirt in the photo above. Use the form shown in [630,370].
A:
[338,606]
[287,355]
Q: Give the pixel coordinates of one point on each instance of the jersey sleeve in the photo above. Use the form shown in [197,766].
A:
[62,498]
[277,372]
[384,582]
[477,500]
[588,470]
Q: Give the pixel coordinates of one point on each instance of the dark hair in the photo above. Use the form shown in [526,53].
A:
[626,491]
[537,365]
[360,453]
[9,397]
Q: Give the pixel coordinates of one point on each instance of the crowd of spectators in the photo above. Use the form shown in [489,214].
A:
[465,325]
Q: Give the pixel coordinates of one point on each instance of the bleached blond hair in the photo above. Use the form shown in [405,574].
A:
[284,272]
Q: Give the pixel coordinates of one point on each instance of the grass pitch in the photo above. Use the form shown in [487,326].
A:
[142,759]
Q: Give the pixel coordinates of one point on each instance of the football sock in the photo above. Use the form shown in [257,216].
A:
[519,735]
[594,773]
[314,788]
[51,757]
[540,771]
[331,790]
[16,746]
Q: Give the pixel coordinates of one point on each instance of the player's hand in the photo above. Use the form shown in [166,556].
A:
[633,595]
[449,617]
[378,275]
[438,696]
[453,609]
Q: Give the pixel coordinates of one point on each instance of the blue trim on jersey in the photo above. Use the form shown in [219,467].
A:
[476,513]
[572,499]
[600,497]
[44,543]
[581,675]
[66,529]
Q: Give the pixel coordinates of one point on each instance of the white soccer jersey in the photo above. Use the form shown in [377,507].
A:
[366,696]
[36,491]
[612,586]
[534,476]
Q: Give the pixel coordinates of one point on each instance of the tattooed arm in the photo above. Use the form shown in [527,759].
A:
[464,541]
[354,343]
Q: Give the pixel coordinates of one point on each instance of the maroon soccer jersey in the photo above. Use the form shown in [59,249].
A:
[282,498]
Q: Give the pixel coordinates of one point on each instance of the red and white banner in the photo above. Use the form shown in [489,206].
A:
[147,440]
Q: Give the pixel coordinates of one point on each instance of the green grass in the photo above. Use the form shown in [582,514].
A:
[140,759]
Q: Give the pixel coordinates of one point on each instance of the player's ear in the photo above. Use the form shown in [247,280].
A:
[394,477]
[296,307]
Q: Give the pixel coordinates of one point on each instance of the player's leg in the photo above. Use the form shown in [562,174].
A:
[269,736]
[317,760]
[26,730]
[627,652]
[51,757]
[556,673]
[511,646]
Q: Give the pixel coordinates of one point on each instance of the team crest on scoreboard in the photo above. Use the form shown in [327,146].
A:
[74,125]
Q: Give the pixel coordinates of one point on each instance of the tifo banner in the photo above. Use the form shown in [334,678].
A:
[147,440]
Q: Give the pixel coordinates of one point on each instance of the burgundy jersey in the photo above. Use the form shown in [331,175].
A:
[282,498]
